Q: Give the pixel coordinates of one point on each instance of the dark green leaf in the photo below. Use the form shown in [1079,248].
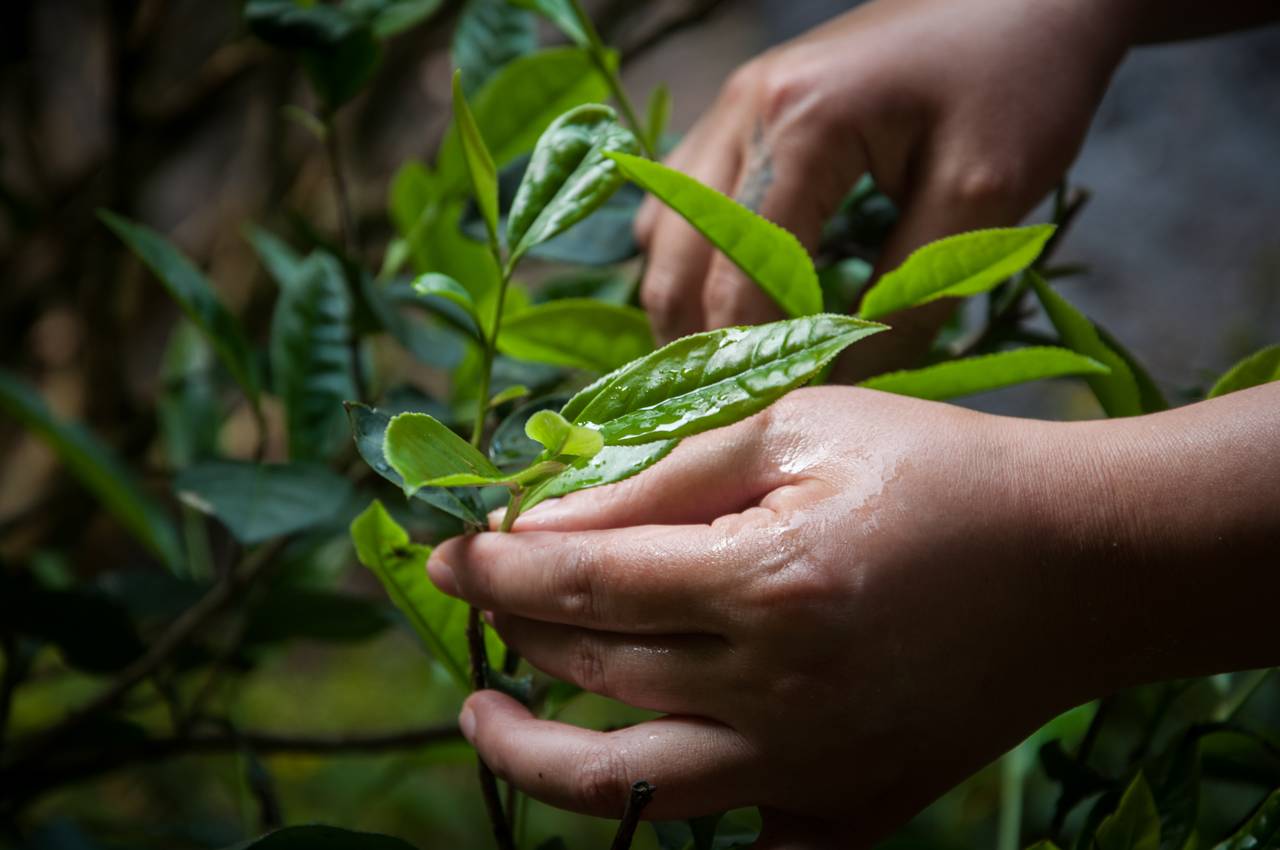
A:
[316,837]
[612,464]
[369,428]
[842,283]
[311,363]
[440,621]
[766,253]
[287,613]
[521,100]
[96,467]
[1134,825]
[187,408]
[427,453]
[568,177]
[287,23]
[563,14]
[971,375]
[93,632]
[957,266]
[392,17]
[577,332]
[194,295]
[1177,793]
[277,257]
[1259,368]
[1118,391]
[712,379]
[257,502]
[338,72]
[1261,831]
[484,176]
[489,34]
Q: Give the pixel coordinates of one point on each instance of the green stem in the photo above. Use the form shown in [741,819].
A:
[599,57]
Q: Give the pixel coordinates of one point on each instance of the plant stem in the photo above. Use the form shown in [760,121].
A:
[641,794]
[599,57]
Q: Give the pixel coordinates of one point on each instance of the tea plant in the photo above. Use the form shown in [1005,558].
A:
[534,168]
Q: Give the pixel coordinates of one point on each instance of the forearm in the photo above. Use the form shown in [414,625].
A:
[1166,531]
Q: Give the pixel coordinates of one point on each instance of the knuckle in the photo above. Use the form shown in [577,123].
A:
[577,588]
[743,82]
[601,780]
[985,183]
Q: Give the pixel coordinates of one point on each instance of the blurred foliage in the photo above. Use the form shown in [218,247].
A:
[192,656]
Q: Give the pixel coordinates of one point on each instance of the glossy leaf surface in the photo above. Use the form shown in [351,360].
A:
[311,363]
[96,467]
[369,427]
[440,621]
[971,375]
[613,463]
[259,501]
[484,175]
[561,437]
[1259,368]
[569,175]
[957,266]
[424,452]
[577,332]
[766,253]
[1134,825]
[189,288]
[1117,391]
[712,379]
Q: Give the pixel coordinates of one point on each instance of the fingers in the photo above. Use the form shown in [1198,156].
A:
[696,766]
[643,580]
[674,674]
[705,477]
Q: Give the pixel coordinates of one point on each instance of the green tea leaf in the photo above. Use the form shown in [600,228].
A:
[1134,825]
[484,176]
[424,452]
[311,363]
[1262,367]
[611,464]
[1176,781]
[658,112]
[561,437]
[316,837]
[569,176]
[96,467]
[277,257]
[338,72]
[392,17]
[194,295]
[289,613]
[712,379]
[369,428]
[1117,391]
[435,285]
[1149,396]
[1262,830]
[957,266]
[518,104]
[766,253]
[564,16]
[286,23]
[988,372]
[511,393]
[258,501]
[440,621]
[489,34]
[578,332]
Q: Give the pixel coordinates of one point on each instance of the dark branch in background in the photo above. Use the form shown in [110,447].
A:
[22,784]
[641,794]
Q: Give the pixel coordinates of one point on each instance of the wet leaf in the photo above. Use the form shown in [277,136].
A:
[612,464]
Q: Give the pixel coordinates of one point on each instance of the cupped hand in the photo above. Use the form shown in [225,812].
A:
[966,114]
[841,604]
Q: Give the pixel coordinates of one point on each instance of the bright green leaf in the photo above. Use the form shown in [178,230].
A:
[659,112]
[194,295]
[568,177]
[712,379]
[311,362]
[369,429]
[423,450]
[258,501]
[511,393]
[1259,368]
[577,332]
[1118,391]
[561,437]
[484,175]
[96,467]
[518,104]
[1134,825]
[612,464]
[766,253]
[957,266]
[435,285]
[988,372]
[440,621]
[488,35]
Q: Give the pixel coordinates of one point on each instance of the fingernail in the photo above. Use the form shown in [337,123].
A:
[467,723]
[442,575]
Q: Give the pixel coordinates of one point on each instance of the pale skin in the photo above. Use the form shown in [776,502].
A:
[850,602]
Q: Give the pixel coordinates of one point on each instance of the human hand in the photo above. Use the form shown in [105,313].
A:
[830,600]
[966,114]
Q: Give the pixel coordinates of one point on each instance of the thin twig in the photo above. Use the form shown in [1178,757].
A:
[488,782]
[641,794]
